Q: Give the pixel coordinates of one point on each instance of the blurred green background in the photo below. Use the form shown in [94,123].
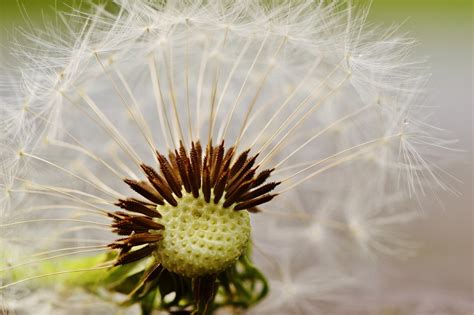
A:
[444,30]
[394,10]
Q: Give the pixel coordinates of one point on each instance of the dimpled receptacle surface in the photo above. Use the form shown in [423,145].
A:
[201,238]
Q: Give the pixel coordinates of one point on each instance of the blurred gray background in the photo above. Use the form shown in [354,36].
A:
[444,30]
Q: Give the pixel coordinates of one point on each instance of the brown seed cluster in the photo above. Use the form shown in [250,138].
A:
[137,228]
[218,174]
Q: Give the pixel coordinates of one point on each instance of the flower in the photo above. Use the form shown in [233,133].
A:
[149,132]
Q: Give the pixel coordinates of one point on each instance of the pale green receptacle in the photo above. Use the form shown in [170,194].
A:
[201,238]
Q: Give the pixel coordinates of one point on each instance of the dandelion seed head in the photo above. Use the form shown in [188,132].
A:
[159,129]
[358,231]
[316,232]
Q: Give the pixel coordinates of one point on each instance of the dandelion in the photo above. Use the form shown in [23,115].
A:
[141,141]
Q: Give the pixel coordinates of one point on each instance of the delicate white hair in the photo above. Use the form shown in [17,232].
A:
[333,104]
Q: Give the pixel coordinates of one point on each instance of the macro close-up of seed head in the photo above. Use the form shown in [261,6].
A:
[211,157]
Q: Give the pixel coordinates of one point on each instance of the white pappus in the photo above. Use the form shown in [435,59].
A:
[331,105]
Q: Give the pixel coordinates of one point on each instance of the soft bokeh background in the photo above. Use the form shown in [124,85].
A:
[444,30]
[442,276]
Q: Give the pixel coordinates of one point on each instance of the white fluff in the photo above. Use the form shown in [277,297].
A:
[333,104]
